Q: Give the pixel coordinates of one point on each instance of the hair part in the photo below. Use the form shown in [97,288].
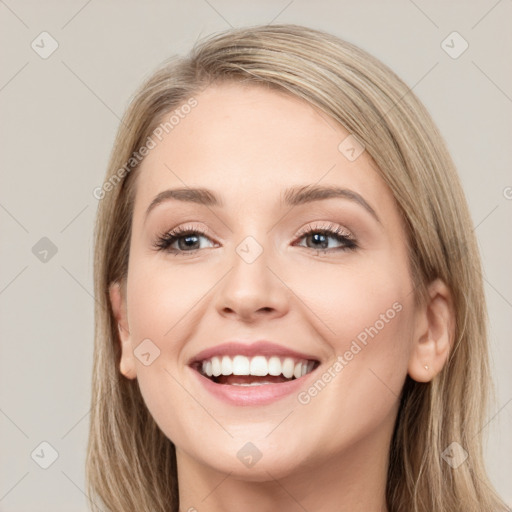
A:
[131,465]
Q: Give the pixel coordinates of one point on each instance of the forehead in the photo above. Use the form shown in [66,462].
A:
[250,141]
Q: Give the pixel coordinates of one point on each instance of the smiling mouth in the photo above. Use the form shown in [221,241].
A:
[259,370]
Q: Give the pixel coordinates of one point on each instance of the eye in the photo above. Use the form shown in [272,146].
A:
[186,238]
[319,236]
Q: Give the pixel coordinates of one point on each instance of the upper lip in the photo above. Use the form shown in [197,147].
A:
[249,349]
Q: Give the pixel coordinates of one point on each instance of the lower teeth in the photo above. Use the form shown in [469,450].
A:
[251,384]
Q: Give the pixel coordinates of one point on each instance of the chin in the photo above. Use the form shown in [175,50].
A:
[251,463]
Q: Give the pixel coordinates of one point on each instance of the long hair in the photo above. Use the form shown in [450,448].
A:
[131,464]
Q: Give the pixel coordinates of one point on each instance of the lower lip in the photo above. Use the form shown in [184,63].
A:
[252,395]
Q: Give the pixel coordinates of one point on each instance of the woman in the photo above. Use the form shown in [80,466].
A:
[322,346]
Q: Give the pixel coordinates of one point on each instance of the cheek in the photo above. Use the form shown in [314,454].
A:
[161,299]
[164,307]
[370,314]
[360,301]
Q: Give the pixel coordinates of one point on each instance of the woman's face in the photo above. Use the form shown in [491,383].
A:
[257,263]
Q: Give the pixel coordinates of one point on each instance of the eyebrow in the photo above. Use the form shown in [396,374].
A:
[309,193]
[292,197]
[200,196]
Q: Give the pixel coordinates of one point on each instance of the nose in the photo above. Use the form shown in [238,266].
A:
[252,290]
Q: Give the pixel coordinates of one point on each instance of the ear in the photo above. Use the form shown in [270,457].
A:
[118,301]
[433,333]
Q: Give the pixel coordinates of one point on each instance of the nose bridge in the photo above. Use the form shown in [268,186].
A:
[250,287]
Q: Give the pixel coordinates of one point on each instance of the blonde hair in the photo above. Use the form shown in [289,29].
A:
[131,464]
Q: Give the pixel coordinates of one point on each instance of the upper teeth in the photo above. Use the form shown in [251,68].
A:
[257,365]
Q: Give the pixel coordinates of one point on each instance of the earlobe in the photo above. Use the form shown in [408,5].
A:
[118,301]
[434,333]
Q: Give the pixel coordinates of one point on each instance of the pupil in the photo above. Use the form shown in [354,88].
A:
[187,238]
[315,237]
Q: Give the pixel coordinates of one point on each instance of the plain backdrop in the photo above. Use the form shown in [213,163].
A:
[59,117]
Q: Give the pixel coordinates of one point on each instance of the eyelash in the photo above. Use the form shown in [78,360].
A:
[164,241]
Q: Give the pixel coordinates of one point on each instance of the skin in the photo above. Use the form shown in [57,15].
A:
[248,144]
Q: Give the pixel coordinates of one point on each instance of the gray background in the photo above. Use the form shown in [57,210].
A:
[59,116]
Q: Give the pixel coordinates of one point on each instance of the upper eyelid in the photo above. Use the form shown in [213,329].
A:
[327,226]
